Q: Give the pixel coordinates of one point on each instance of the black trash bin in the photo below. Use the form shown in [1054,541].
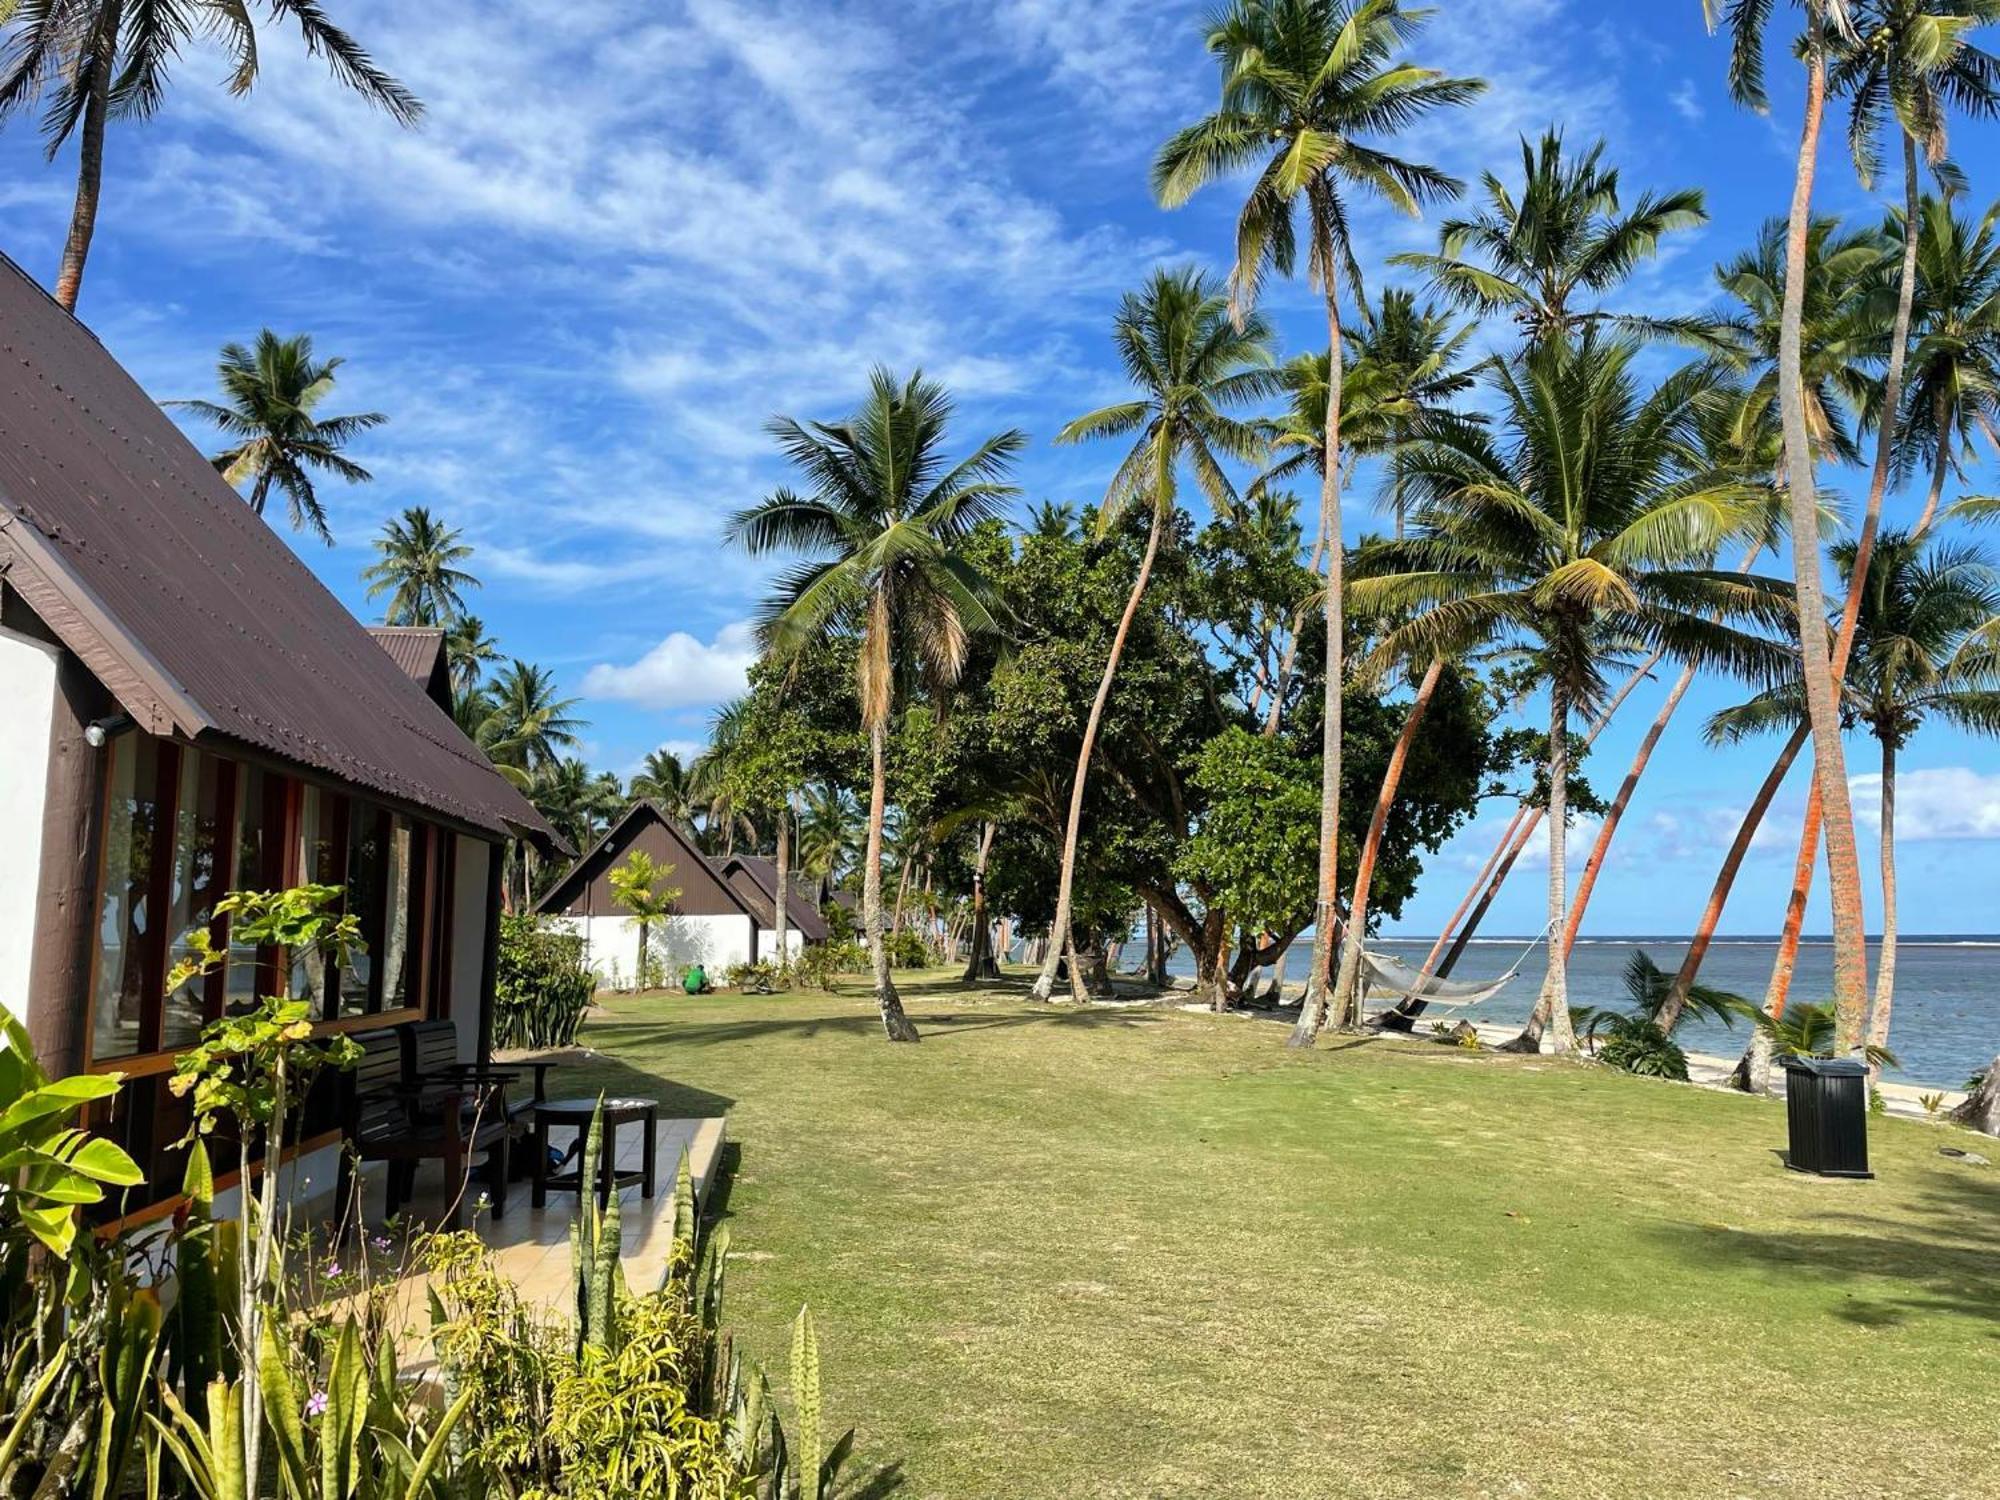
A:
[1826,1101]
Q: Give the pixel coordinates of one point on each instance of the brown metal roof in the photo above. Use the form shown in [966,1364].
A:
[615,840]
[192,611]
[801,906]
[419,651]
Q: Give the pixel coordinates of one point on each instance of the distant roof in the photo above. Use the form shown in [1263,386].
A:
[419,651]
[194,614]
[614,839]
[801,907]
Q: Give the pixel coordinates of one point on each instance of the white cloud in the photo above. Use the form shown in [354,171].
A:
[1686,101]
[1944,802]
[680,672]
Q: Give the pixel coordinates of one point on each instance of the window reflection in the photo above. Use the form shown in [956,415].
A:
[124,914]
[260,866]
[198,871]
[365,855]
[401,919]
[319,862]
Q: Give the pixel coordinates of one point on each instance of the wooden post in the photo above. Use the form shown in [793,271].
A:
[489,958]
[58,1018]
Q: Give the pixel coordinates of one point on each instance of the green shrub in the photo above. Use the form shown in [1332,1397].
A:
[541,986]
[1638,1046]
[908,950]
[760,978]
[818,963]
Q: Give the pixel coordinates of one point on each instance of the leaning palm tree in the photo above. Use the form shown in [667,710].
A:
[418,569]
[1952,392]
[1564,240]
[99,60]
[271,403]
[1579,529]
[883,522]
[1192,364]
[468,650]
[1921,650]
[1829,27]
[1306,86]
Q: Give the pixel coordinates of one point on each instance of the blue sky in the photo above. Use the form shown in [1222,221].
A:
[630,230]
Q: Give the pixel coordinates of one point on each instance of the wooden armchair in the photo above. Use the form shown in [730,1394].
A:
[389,1116]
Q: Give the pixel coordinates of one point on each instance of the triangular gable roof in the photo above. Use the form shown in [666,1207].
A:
[801,910]
[613,843]
[192,612]
[419,651]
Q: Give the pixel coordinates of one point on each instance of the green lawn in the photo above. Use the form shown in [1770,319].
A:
[1151,1253]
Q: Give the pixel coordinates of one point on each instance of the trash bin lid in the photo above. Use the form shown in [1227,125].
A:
[1826,1067]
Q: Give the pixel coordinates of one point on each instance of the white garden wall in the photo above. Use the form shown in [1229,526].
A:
[767,942]
[27,688]
[612,944]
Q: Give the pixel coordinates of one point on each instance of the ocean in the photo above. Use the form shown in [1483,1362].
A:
[1945,1026]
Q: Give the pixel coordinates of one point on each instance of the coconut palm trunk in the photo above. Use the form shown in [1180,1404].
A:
[779,914]
[1756,1067]
[1045,982]
[90,156]
[895,1024]
[1822,691]
[1885,961]
[980,962]
[1549,1029]
[1348,989]
[1981,1109]
[1725,879]
[1940,465]
[1312,1014]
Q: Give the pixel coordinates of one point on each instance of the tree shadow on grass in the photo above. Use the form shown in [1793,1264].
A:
[627,1034]
[1940,1258]
[601,1073]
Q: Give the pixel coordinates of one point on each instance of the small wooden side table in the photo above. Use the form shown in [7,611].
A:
[578,1113]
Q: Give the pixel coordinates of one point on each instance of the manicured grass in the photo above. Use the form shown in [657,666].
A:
[1133,1253]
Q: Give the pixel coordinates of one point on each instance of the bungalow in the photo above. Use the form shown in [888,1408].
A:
[190,711]
[724,914]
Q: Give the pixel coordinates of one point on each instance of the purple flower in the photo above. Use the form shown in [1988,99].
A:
[316,1405]
[383,1244]
[333,1268]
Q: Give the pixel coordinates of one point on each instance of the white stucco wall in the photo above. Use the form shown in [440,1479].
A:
[27,689]
[767,942]
[468,940]
[713,942]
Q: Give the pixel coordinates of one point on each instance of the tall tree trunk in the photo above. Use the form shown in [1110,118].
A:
[1885,962]
[1940,466]
[1312,1014]
[980,964]
[1981,1109]
[1156,962]
[895,1025]
[1045,982]
[1755,1068]
[1843,860]
[1289,656]
[1718,897]
[784,876]
[1599,849]
[1549,1029]
[90,155]
[1348,989]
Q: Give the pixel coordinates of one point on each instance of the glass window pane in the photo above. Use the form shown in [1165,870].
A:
[403,915]
[122,915]
[199,830]
[318,862]
[365,860]
[260,822]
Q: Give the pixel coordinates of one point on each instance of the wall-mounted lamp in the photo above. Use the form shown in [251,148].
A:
[99,731]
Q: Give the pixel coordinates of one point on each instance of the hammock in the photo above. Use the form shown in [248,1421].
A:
[1389,977]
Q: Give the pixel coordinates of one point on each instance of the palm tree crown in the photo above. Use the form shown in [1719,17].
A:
[271,400]
[520,722]
[468,649]
[1564,238]
[1951,390]
[665,780]
[418,570]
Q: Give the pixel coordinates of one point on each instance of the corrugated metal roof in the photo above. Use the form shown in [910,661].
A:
[612,843]
[419,651]
[801,907]
[194,612]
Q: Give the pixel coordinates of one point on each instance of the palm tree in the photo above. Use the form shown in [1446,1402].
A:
[830,831]
[1748,19]
[883,522]
[663,779]
[640,886]
[576,802]
[418,570]
[1921,650]
[272,395]
[1582,531]
[526,725]
[1304,84]
[1192,363]
[714,777]
[1953,387]
[99,60]
[1565,238]
[467,650]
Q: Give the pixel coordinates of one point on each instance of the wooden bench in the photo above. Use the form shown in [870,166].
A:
[393,1116]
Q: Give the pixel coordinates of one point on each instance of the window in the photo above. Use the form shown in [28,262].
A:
[199,874]
[128,911]
[367,853]
[260,866]
[321,850]
[404,916]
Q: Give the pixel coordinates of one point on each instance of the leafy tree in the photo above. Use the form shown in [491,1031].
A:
[882,522]
[1565,238]
[100,60]
[271,403]
[418,569]
[640,886]
[1305,84]
[1191,362]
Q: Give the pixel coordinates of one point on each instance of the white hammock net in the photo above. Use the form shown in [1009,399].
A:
[1390,978]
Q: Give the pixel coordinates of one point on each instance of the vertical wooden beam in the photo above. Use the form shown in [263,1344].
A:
[58,1018]
[489,960]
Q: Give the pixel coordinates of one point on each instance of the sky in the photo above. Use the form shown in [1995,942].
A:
[629,231]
